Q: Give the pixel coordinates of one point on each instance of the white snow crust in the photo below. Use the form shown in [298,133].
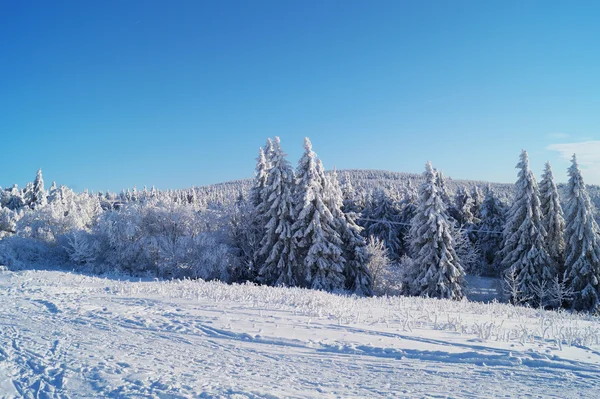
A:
[66,335]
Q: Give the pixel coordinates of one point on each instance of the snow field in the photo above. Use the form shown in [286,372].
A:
[65,335]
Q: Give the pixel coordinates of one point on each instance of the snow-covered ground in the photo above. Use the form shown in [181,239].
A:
[65,335]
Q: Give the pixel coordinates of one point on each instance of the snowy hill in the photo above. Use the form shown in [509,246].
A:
[65,335]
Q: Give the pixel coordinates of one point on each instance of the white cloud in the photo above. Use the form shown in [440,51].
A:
[588,157]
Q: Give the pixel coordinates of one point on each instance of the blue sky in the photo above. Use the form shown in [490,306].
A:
[112,94]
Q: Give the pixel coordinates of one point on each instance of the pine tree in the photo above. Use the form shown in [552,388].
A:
[440,181]
[553,221]
[408,207]
[38,197]
[269,151]
[582,244]
[381,221]
[256,210]
[354,247]
[463,206]
[278,246]
[523,245]
[478,198]
[437,269]
[318,242]
[489,236]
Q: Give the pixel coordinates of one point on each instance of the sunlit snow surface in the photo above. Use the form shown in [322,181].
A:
[65,335]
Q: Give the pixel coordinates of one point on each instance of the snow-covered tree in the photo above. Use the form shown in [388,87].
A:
[442,188]
[14,200]
[478,197]
[523,246]
[582,244]
[463,207]
[381,220]
[278,246]
[249,220]
[38,196]
[354,248]
[489,235]
[321,264]
[437,270]
[553,221]
[260,180]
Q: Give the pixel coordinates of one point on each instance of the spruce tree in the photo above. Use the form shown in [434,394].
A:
[553,221]
[258,214]
[463,207]
[489,236]
[318,242]
[381,221]
[354,247]
[437,269]
[523,246]
[478,198]
[277,245]
[440,181]
[582,244]
[38,197]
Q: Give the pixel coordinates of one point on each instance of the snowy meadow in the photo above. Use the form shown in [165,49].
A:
[67,335]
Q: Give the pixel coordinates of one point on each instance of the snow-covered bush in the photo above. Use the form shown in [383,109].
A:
[8,222]
[387,277]
[161,238]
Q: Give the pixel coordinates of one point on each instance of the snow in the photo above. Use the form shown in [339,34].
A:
[66,335]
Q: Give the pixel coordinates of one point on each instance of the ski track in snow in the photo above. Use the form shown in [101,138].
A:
[65,336]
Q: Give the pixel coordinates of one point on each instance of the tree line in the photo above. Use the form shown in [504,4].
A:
[304,227]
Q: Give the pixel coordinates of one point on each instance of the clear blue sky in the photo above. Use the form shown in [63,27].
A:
[112,94]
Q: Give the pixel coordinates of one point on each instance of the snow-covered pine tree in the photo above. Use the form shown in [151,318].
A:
[408,207]
[321,264]
[277,245]
[349,197]
[15,199]
[354,247]
[442,188]
[381,221]
[261,174]
[38,195]
[553,221]
[28,195]
[582,244]
[257,212]
[437,270]
[489,235]
[269,150]
[523,245]
[463,207]
[477,197]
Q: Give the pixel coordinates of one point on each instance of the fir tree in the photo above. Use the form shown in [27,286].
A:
[318,242]
[354,247]
[478,198]
[256,210]
[523,245]
[553,221]
[489,236]
[437,270]
[440,181]
[408,207]
[463,207]
[582,244]
[381,221]
[38,197]
[278,246]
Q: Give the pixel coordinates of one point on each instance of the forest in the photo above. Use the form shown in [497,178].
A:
[351,232]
